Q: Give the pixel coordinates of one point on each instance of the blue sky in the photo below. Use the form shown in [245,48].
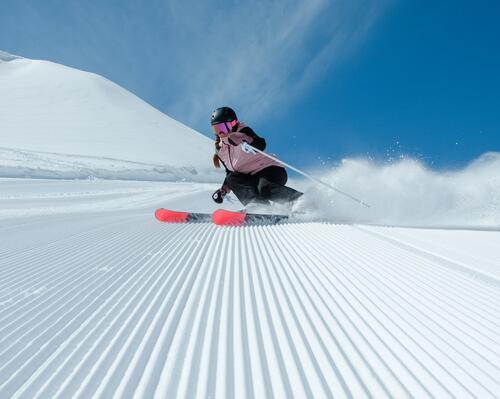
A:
[320,79]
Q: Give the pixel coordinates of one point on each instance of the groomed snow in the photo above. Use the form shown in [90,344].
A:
[99,300]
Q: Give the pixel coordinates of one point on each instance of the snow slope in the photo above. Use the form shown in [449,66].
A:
[99,300]
[49,110]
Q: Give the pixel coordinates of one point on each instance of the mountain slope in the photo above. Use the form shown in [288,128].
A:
[97,299]
[50,108]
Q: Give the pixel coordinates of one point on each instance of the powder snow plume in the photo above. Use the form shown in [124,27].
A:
[407,193]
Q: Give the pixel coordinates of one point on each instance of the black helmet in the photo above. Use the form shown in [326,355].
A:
[223,114]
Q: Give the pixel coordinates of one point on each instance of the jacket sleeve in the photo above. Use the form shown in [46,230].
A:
[223,164]
[224,184]
[258,142]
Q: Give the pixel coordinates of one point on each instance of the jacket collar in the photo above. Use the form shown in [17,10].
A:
[239,127]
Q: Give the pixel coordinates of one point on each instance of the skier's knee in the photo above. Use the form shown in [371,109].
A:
[264,187]
[232,180]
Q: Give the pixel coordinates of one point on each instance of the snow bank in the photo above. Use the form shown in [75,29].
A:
[40,165]
[408,193]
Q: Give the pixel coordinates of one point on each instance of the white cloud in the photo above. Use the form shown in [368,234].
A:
[254,54]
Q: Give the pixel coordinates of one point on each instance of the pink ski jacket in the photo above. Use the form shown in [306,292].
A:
[237,160]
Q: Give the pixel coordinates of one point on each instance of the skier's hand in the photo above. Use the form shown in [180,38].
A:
[219,195]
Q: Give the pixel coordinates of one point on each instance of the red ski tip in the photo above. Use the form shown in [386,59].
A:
[164,215]
[222,217]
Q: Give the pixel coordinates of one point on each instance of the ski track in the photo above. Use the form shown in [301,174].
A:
[116,305]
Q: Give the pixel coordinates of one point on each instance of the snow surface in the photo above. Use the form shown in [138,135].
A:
[53,109]
[99,300]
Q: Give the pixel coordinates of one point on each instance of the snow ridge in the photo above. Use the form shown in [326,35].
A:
[6,57]
[17,163]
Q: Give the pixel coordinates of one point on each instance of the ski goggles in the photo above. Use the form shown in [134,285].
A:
[224,128]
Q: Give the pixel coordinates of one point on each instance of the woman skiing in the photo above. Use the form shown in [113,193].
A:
[252,177]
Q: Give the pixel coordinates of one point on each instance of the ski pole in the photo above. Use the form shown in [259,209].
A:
[249,148]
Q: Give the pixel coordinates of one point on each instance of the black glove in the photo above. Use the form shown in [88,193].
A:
[219,195]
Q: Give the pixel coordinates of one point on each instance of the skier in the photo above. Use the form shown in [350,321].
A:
[253,177]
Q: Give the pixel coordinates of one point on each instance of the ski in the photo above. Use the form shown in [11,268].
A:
[223,217]
[169,216]
[220,217]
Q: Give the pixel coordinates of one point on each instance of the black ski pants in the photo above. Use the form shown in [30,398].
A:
[262,187]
